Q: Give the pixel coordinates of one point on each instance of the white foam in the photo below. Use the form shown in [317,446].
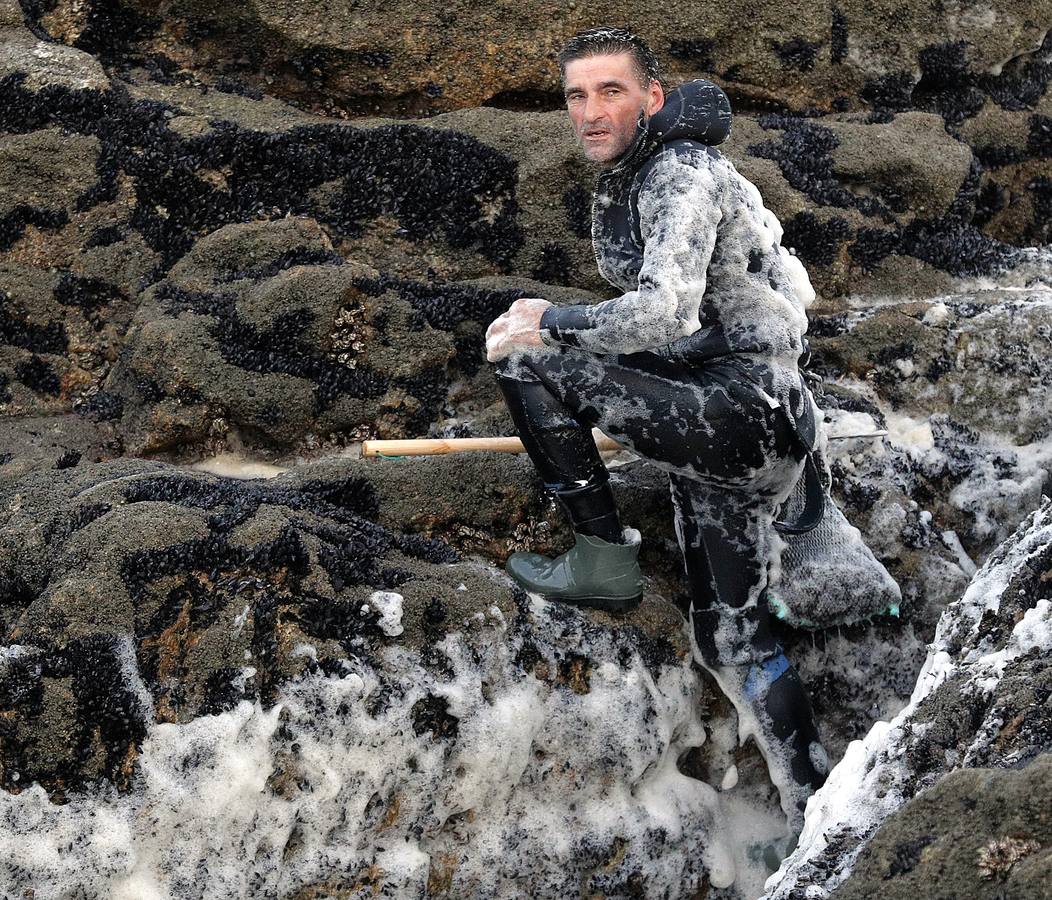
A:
[953,542]
[339,778]
[388,605]
[730,778]
[910,433]
[237,465]
[936,315]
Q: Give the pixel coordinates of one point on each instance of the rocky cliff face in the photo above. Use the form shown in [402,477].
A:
[241,239]
[982,710]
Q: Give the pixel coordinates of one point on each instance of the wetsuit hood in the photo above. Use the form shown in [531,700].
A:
[698,110]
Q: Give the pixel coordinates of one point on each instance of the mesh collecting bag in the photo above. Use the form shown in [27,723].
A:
[827,575]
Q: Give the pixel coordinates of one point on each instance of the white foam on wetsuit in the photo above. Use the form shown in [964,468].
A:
[731,680]
[700,220]
[702,223]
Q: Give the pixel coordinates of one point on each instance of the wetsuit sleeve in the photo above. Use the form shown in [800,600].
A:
[679,210]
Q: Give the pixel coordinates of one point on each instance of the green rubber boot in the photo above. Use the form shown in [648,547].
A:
[592,573]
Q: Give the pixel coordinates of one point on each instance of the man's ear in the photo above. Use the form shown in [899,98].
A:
[655,98]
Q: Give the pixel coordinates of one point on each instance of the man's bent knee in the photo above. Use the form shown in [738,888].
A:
[518,366]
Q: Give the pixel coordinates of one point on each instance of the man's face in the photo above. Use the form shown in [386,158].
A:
[604,100]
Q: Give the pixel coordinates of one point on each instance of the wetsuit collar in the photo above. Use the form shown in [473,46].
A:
[698,110]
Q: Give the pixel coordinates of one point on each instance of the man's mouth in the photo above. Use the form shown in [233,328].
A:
[596,134]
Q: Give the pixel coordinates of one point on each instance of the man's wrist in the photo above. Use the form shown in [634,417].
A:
[548,337]
[558,324]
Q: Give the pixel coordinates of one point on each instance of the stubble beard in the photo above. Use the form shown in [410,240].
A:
[615,148]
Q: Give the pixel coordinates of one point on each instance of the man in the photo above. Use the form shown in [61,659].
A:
[694,366]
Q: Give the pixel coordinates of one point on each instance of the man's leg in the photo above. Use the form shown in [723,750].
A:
[724,536]
[703,422]
[728,454]
[601,569]
[565,455]
[707,423]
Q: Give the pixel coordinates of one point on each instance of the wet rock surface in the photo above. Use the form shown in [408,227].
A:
[997,844]
[137,595]
[958,384]
[265,330]
[195,570]
[128,574]
[116,161]
[358,57]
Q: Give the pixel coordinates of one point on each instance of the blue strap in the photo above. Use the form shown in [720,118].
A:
[772,669]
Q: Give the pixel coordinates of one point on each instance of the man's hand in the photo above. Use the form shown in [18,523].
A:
[517,329]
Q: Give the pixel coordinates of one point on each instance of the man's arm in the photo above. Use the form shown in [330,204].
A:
[679,209]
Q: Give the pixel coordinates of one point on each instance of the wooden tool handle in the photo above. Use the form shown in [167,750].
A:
[440,446]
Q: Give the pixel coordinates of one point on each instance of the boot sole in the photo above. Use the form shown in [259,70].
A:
[606,604]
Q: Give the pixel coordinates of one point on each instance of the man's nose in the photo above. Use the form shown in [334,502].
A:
[593,109]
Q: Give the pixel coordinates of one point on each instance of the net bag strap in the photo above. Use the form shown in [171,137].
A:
[814,502]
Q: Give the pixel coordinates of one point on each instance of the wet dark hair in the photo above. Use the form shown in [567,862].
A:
[611,40]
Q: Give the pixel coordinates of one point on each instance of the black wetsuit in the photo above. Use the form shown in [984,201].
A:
[726,477]
[695,368]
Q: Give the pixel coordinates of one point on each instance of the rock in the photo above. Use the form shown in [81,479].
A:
[158,579]
[139,599]
[973,355]
[203,260]
[265,331]
[161,162]
[998,844]
[39,65]
[863,191]
[44,169]
[28,443]
[553,190]
[158,176]
[861,209]
[60,334]
[981,701]
[85,550]
[1012,143]
[361,59]
[11,15]
[910,162]
[893,278]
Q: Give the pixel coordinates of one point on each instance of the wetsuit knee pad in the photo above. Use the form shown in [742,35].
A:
[734,636]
